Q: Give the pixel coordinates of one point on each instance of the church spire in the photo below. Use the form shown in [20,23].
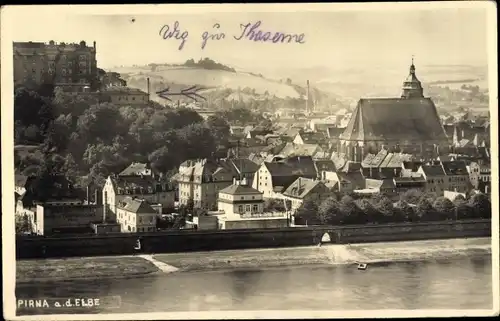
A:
[412,88]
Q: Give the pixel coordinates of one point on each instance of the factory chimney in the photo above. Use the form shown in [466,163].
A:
[149,92]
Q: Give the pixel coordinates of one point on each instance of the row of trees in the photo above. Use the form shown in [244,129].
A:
[80,135]
[380,209]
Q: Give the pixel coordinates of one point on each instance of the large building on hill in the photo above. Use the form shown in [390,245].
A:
[72,66]
[407,124]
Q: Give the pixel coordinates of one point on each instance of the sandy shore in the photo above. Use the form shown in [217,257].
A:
[134,266]
[82,268]
[328,254]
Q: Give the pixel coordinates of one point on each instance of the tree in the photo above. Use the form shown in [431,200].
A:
[386,209]
[412,196]
[480,205]
[368,214]
[219,128]
[406,211]
[462,209]
[161,160]
[329,212]
[306,213]
[273,204]
[197,141]
[349,210]
[23,224]
[444,208]
[424,209]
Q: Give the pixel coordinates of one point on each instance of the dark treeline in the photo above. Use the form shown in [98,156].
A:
[81,137]
[413,206]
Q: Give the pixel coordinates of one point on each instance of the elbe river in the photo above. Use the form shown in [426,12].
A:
[444,283]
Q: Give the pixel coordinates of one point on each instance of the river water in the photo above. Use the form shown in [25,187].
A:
[442,283]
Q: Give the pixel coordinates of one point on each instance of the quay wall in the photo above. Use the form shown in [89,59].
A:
[184,240]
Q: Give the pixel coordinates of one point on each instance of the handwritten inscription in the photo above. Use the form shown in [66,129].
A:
[249,31]
[175,33]
[216,36]
[252,32]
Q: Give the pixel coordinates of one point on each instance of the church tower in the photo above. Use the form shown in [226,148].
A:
[412,88]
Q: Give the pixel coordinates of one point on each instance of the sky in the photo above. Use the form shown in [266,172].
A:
[335,39]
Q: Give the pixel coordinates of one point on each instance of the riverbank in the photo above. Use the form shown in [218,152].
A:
[82,268]
[329,254]
[251,259]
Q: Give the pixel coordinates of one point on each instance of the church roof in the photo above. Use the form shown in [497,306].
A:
[397,119]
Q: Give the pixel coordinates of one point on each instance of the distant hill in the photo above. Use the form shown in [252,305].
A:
[220,79]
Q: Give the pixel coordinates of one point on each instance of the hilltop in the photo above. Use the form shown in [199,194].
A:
[217,80]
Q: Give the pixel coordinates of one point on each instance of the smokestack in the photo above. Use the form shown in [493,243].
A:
[88,194]
[149,90]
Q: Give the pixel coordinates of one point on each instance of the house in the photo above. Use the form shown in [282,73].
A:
[457,175]
[117,188]
[382,186]
[125,96]
[435,177]
[290,134]
[273,178]
[54,218]
[344,182]
[135,215]
[410,168]
[201,180]
[136,169]
[257,131]
[310,138]
[292,149]
[29,193]
[303,190]
[322,166]
[241,168]
[242,207]
[479,174]
[404,184]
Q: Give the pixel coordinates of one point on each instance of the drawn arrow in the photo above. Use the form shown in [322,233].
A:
[190,92]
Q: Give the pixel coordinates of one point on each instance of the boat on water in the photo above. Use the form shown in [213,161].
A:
[362,266]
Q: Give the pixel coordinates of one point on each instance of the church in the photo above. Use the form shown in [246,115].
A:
[408,124]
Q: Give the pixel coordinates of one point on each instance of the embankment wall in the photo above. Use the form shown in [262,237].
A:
[183,241]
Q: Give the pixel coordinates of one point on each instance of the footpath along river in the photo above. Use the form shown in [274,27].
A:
[439,274]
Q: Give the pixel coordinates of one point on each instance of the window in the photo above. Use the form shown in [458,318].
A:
[247,208]
[255,208]
[240,209]
[133,98]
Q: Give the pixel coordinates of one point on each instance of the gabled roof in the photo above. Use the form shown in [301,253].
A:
[412,165]
[325,165]
[433,170]
[312,137]
[291,149]
[455,168]
[409,181]
[397,119]
[137,206]
[339,160]
[335,132]
[236,189]
[137,184]
[240,165]
[134,169]
[301,187]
